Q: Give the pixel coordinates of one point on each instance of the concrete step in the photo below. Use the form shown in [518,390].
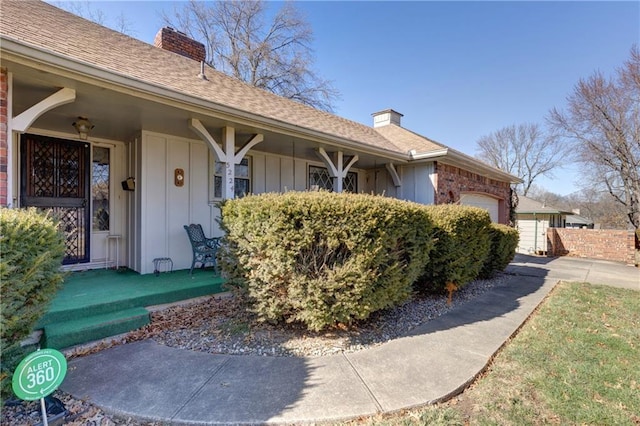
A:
[63,334]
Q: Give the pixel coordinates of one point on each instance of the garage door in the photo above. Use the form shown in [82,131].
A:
[482,201]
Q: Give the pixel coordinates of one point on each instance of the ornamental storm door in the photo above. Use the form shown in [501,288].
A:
[55,176]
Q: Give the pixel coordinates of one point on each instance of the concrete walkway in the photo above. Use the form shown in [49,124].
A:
[149,381]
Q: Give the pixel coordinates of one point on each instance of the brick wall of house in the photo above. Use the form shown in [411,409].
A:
[605,244]
[175,41]
[4,137]
[452,181]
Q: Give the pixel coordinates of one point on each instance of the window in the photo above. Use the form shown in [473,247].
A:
[242,182]
[319,177]
[100,172]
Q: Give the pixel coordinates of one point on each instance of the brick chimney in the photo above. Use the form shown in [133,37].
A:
[386,117]
[178,42]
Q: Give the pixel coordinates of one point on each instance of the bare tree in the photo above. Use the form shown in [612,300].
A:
[592,203]
[275,55]
[524,150]
[602,121]
[86,10]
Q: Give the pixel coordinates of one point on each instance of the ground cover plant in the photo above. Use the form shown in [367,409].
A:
[322,258]
[574,362]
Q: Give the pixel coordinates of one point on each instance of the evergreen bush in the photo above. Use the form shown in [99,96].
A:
[462,246]
[322,258]
[31,252]
[504,241]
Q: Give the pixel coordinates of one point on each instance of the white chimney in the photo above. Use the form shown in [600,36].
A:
[386,117]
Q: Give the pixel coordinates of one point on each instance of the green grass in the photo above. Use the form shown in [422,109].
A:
[576,361]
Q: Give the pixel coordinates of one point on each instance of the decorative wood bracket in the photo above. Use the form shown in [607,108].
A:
[196,126]
[255,139]
[394,174]
[227,156]
[22,121]
[339,170]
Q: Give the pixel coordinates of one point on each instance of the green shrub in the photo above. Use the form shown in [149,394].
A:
[504,240]
[462,246]
[322,258]
[31,252]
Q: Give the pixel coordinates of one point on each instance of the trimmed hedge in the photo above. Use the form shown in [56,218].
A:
[323,258]
[504,241]
[462,246]
[32,250]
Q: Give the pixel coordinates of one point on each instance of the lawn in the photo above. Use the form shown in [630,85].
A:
[576,361]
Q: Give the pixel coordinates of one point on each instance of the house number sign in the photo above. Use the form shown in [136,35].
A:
[39,374]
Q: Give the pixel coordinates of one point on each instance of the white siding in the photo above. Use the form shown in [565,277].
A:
[533,233]
[165,208]
[274,173]
[416,184]
[379,181]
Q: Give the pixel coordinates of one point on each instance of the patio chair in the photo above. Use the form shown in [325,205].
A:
[204,249]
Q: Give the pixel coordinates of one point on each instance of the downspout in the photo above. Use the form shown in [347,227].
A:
[535,234]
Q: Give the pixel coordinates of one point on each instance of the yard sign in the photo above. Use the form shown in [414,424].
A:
[38,375]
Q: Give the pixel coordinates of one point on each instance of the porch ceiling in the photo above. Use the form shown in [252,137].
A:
[119,115]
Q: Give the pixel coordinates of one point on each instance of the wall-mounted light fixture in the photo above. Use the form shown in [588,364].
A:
[83,126]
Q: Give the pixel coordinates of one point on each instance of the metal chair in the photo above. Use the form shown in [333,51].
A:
[204,249]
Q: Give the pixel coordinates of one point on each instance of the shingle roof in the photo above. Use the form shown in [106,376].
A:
[407,140]
[529,205]
[577,219]
[44,26]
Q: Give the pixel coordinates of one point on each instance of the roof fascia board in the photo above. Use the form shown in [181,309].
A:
[456,158]
[87,73]
[543,212]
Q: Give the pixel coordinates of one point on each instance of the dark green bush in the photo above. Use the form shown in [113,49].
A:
[462,246]
[31,252]
[504,240]
[322,258]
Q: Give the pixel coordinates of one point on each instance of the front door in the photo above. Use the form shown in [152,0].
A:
[55,176]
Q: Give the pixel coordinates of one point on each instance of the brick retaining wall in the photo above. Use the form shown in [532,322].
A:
[605,244]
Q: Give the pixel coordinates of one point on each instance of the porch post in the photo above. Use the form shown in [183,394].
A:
[229,143]
[337,180]
[227,153]
[339,170]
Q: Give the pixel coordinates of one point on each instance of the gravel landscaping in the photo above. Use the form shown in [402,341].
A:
[218,325]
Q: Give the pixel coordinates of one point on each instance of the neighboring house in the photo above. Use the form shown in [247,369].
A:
[576,221]
[533,219]
[165,138]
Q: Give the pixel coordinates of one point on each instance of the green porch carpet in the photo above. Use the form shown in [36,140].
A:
[96,304]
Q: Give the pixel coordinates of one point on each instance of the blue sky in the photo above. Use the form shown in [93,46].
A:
[456,70]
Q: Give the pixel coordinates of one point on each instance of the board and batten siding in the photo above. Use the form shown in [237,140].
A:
[273,173]
[417,185]
[378,181]
[164,208]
